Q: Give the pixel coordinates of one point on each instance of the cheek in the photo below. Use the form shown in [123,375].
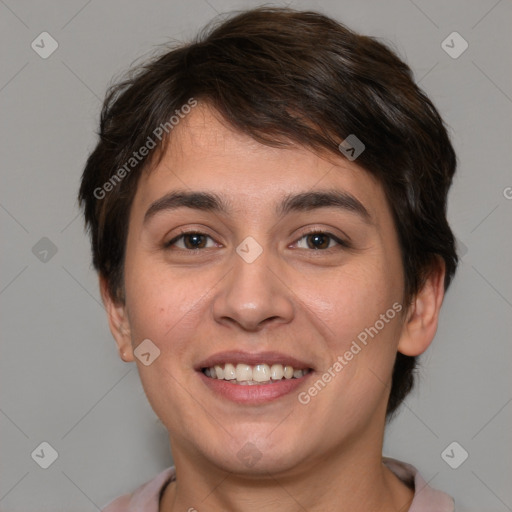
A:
[350,300]
[359,312]
[160,303]
[163,309]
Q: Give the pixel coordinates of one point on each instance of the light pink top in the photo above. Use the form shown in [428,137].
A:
[147,497]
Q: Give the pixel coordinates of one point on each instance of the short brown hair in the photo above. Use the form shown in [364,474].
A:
[284,76]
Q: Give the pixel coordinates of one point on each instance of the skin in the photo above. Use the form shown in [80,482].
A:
[305,302]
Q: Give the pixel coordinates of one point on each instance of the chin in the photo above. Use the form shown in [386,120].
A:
[256,455]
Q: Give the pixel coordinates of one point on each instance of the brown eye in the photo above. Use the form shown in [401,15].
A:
[191,241]
[320,240]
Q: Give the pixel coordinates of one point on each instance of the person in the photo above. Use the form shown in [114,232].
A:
[267,212]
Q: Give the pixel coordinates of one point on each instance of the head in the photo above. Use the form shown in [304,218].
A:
[252,113]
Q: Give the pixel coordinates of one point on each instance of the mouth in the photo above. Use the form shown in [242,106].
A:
[247,378]
[254,375]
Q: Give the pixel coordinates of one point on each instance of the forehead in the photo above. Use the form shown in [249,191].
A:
[205,153]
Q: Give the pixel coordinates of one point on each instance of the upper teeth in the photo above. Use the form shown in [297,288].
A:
[257,373]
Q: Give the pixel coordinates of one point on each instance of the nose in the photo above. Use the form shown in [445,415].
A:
[254,295]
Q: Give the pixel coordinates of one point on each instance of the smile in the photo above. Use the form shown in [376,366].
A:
[250,375]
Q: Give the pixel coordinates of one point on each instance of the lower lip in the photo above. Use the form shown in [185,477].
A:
[254,394]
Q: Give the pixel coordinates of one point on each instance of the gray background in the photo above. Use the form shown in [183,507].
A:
[61,379]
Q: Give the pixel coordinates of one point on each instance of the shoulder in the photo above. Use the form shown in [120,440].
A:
[145,498]
[426,499]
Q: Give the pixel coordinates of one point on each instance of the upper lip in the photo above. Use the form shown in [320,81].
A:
[252,358]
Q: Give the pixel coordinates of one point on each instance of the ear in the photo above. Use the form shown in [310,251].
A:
[422,317]
[118,322]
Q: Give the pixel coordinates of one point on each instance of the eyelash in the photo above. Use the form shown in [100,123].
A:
[342,243]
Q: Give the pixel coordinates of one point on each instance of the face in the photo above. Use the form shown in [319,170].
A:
[266,276]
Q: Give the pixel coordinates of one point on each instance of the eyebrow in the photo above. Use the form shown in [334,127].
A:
[305,201]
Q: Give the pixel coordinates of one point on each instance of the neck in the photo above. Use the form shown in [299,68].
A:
[351,479]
